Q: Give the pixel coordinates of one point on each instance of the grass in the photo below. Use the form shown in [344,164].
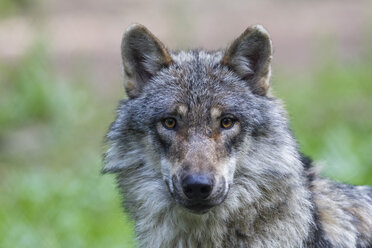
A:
[331,114]
[51,132]
[13,7]
[68,208]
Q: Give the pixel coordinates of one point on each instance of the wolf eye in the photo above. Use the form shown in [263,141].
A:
[227,123]
[169,123]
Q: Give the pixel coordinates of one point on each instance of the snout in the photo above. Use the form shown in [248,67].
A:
[197,187]
[199,192]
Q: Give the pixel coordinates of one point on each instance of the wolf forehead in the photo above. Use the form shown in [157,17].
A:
[196,79]
[197,88]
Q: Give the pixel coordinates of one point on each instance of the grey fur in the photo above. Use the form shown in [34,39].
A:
[265,193]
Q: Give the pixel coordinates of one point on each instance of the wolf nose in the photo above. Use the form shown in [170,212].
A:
[197,187]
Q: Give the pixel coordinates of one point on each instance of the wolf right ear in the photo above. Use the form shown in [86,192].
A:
[143,56]
[250,57]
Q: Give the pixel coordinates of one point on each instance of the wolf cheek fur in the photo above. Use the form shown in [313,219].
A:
[204,156]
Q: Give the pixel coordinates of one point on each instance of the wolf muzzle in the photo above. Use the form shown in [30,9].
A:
[199,192]
[197,187]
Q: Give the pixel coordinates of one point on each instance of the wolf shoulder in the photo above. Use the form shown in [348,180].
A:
[345,212]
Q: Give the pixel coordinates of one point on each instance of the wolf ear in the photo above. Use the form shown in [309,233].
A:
[143,56]
[250,57]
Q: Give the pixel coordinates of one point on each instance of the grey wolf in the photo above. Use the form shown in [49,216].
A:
[204,156]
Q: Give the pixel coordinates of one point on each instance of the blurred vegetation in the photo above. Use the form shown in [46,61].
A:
[11,7]
[51,133]
[331,115]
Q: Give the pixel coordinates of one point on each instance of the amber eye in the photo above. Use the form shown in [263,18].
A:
[169,123]
[227,123]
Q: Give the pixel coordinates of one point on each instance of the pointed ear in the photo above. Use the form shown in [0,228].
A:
[143,56]
[250,57]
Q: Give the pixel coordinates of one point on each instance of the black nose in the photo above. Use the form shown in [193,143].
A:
[197,187]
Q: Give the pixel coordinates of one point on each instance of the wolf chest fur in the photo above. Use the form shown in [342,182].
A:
[204,156]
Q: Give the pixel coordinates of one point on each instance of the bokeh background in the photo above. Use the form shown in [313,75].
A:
[60,80]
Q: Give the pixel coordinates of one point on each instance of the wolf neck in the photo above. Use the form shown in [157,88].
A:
[245,219]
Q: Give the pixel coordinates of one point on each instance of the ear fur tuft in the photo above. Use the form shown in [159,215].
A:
[143,55]
[250,57]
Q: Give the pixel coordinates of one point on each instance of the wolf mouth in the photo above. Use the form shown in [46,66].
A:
[199,208]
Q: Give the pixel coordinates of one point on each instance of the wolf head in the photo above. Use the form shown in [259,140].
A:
[201,122]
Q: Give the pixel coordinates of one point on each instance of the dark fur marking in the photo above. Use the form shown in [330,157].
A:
[163,143]
[317,237]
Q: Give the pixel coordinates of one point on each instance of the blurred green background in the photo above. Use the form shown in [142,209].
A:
[60,80]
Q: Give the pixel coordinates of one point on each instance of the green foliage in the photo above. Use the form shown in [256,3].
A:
[29,91]
[10,7]
[331,114]
[41,207]
[52,193]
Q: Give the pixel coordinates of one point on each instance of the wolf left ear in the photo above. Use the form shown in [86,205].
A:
[143,56]
[250,57]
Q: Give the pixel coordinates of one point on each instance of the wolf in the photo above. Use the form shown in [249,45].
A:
[204,155]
